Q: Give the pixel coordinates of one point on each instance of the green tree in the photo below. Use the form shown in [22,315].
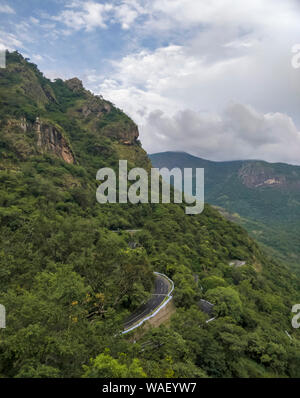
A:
[105,366]
[226,301]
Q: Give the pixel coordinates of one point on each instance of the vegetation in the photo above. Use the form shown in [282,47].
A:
[262,197]
[68,280]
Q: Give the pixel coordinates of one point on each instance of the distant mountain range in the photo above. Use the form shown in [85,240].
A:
[263,197]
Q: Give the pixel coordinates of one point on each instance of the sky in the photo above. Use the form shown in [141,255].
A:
[218,79]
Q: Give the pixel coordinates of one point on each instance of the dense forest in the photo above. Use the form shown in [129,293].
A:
[262,197]
[68,280]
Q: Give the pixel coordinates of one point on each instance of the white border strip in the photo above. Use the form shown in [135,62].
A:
[164,303]
[2,58]
[2,317]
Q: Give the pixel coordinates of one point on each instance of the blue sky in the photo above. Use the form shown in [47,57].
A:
[212,78]
[57,46]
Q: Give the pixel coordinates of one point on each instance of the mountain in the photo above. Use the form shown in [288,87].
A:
[263,197]
[72,271]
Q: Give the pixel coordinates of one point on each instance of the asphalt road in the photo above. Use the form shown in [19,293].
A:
[161,289]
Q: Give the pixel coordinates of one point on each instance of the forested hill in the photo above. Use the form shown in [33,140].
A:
[262,197]
[68,281]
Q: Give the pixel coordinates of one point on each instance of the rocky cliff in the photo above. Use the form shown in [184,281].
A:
[27,139]
[40,116]
[254,175]
[51,140]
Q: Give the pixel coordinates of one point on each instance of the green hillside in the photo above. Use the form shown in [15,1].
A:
[68,280]
[263,197]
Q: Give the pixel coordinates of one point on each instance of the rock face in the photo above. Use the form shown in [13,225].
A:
[47,138]
[254,176]
[50,139]
[21,123]
[96,113]
[126,135]
[131,137]
[75,84]
[93,107]
[63,107]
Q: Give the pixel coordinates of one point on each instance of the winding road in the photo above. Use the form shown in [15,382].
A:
[161,289]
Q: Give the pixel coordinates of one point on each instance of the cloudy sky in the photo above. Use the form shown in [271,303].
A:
[212,78]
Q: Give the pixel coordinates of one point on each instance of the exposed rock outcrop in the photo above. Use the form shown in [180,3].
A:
[66,109]
[14,132]
[125,134]
[94,106]
[93,111]
[255,175]
[21,123]
[50,139]
[75,85]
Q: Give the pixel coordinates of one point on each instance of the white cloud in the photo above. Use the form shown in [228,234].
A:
[5,9]
[34,20]
[85,15]
[235,51]
[9,41]
[89,15]
[37,58]
[187,59]
[240,132]
[127,12]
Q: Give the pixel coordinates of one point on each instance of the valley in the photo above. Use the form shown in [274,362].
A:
[262,197]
